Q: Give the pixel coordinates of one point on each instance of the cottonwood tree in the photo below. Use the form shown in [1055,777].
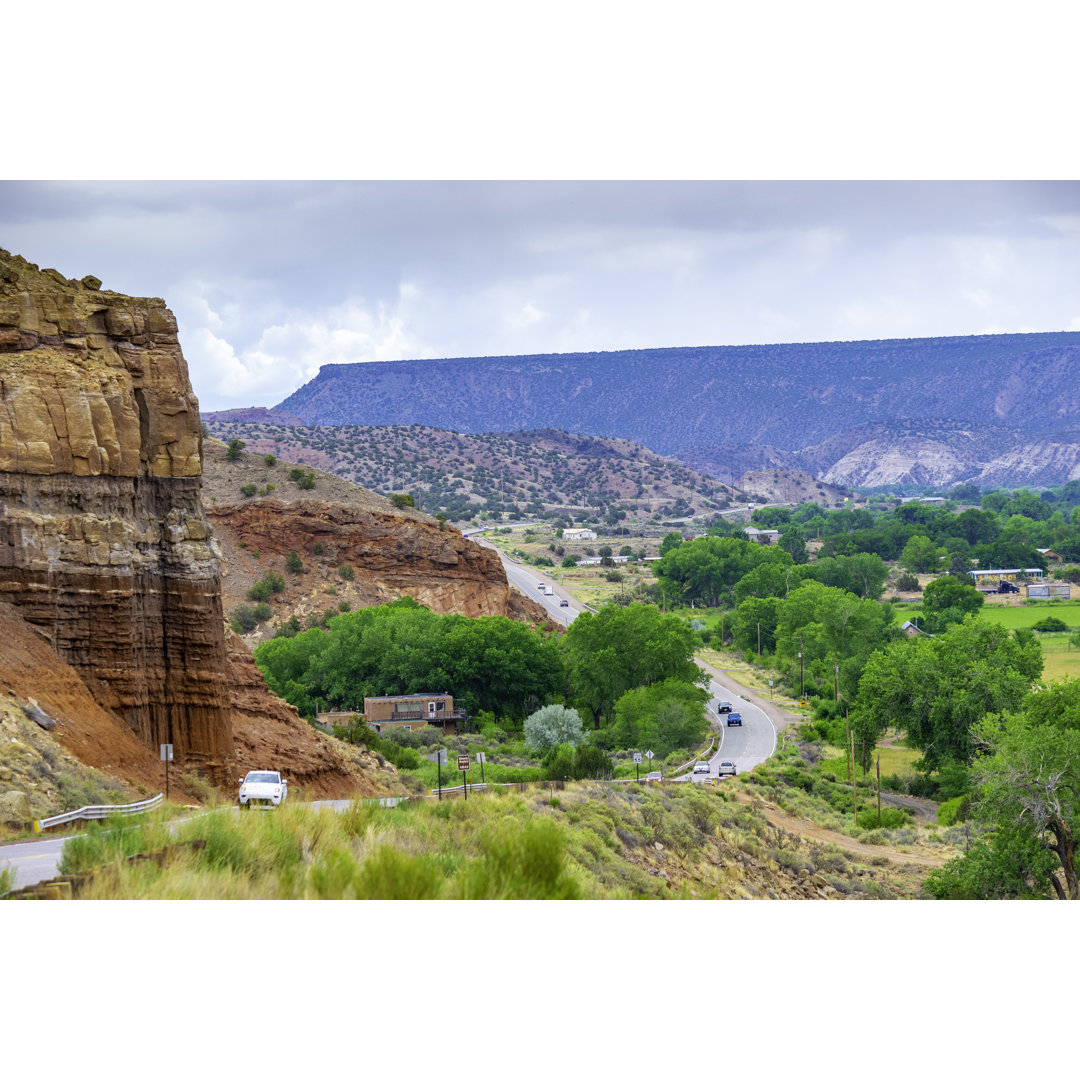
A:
[937,688]
[1027,784]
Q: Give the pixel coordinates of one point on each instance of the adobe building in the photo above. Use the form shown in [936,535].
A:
[412,711]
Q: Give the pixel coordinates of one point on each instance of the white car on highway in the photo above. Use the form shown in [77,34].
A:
[263,789]
[701,767]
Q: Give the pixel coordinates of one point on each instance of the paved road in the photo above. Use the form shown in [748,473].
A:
[34,860]
[527,581]
[747,745]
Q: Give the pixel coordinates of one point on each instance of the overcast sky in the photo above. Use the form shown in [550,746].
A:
[270,280]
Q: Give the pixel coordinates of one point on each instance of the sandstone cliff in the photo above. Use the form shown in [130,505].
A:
[103,543]
[106,553]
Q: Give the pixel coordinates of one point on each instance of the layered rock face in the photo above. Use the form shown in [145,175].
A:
[104,547]
[391,556]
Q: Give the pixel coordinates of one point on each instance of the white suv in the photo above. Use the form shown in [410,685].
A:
[726,768]
[263,789]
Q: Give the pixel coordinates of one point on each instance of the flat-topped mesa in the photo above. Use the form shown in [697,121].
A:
[104,546]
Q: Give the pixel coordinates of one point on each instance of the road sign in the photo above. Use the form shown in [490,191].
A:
[442,757]
[637,759]
[463,762]
[166,751]
[649,754]
[481,758]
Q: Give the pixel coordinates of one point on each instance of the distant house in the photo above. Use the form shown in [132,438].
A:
[911,629]
[1000,580]
[412,711]
[578,534]
[1049,555]
[762,536]
[405,711]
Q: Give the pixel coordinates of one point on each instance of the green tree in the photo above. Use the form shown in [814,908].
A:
[1027,779]
[948,600]
[619,649]
[921,555]
[670,541]
[293,563]
[793,542]
[235,449]
[663,717]
[936,688]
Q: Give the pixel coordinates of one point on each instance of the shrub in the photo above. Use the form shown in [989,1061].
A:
[296,475]
[319,547]
[307,481]
[954,810]
[401,501]
[243,619]
[569,562]
[236,447]
[347,572]
[248,490]
[1050,625]
[542,560]
[613,575]
[269,459]
[551,726]
[270,582]
[293,563]
[907,583]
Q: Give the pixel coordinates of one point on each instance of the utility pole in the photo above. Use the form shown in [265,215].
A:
[854,796]
[759,642]
[802,672]
[836,682]
[879,791]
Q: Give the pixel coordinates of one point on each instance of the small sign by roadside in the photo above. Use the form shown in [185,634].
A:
[649,754]
[463,762]
[442,757]
[481,758]
[166,751]
[637,759]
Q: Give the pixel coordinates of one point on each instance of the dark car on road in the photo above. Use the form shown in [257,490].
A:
[723,706]
[734,719]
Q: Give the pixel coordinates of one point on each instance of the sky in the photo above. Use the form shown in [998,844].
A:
[271,279]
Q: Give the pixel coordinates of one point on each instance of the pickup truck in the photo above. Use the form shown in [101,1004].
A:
[734,719]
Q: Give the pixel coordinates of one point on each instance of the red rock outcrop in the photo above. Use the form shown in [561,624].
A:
[391,556]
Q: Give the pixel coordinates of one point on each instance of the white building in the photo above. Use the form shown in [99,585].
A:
[578,534]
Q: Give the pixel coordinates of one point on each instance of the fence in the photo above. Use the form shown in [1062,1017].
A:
[97,813]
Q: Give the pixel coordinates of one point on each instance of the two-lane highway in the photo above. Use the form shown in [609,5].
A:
[747,744]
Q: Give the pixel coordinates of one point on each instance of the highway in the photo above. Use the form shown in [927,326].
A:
[746,746]
[528,581]
[33,861]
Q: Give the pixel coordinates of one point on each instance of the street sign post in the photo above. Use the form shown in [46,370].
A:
[440,761]
[166,756]
[463,767]
[480,759]
[637,762]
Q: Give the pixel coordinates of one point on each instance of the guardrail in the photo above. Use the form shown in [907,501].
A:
[97,813]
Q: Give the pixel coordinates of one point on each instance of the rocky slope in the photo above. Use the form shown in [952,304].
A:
[386,551]
[105,551]
[524,473]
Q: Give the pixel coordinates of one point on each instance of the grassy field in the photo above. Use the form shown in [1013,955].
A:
[588,840]
[1062,660]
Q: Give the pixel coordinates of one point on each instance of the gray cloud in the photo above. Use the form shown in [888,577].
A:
[271,279]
